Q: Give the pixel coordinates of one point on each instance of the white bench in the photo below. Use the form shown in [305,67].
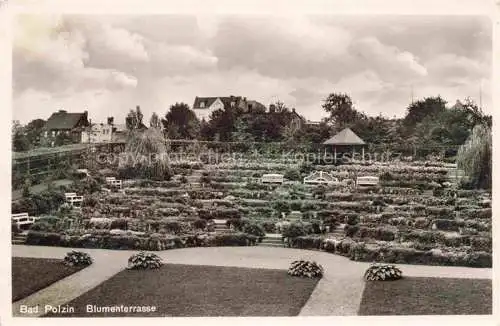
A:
[112,181]
[367,181]
[273,178]
[320,177]
[295,215]
[83,171]
[23,219]
[73,199]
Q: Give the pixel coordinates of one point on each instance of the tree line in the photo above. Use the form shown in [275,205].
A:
[428,122]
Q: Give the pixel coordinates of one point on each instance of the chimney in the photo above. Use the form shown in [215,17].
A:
[110,121]
[63,111]
[86,118]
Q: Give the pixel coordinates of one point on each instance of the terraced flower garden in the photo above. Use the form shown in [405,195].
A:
[414,216]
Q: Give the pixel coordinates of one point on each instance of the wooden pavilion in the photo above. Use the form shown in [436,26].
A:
[346,141]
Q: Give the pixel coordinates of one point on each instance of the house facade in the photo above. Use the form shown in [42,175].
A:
[105,133]
[63,128]
[203,107]
[98,133]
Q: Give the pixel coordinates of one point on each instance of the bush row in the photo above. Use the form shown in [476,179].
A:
[133,242]
[401,255]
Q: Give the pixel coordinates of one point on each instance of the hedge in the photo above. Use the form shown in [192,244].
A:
[104,240]
[401,255]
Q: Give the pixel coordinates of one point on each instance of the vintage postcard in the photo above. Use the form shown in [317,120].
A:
[250,161]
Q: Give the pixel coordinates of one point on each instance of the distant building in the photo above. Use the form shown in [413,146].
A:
[203,107]
[98,133]
[104,133]
[299,121]
[63,127]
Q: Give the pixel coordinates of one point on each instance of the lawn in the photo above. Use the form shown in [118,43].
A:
[427,296]
[195,291]
[30,275]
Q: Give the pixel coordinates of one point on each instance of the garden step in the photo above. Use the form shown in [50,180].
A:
[19,239]
[270,240]
[276,245]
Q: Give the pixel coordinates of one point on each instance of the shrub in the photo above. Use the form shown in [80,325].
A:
[479,259]
[316,227]
[254,229]
[481,244]
[386,176]
[352,219]
[422,223]
[172,226]
[120,223]
[446,225]
[89,201]
[380,233]
[382,272]
[43,238]
[77,258]
[304,268]
[293,230]
[144,260]
[237,223]
[351,230]
[233,239]
[42,226]
[269,227]
[200,224]
[306,242]
[15,228]
[293,175]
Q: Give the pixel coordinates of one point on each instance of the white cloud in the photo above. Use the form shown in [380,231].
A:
[111,64]
[387,60]
[51,55]
[113,41]
[450,66]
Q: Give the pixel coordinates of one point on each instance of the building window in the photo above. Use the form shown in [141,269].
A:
[46,133]
[233,104]
[202,104]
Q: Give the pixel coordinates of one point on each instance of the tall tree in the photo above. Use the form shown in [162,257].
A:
[20,142]
[341,110]
[34,131]
[429,107]
[242,132]
[181,122]
[134,119]
[475,157]
[223,123]
[154,121]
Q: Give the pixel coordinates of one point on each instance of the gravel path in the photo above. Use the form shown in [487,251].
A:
[338,293]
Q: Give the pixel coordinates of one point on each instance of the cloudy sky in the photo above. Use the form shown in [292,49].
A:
[110,64]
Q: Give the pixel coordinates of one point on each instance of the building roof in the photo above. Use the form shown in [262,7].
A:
[239,101]
[226,100]
[208,102]
[345,137]
[64,120]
